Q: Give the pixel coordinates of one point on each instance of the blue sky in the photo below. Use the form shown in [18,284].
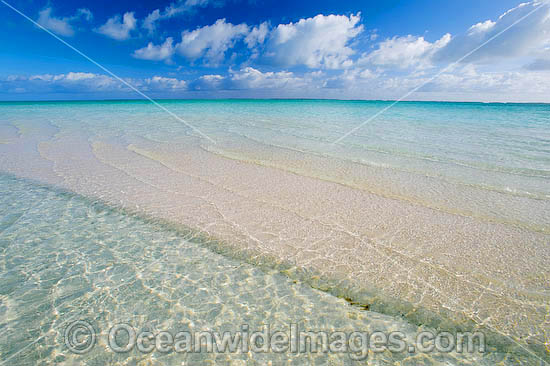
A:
[260,48]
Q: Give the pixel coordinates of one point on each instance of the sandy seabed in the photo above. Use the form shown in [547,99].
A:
[452,256]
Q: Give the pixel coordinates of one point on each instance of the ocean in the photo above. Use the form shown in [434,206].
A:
[433,216]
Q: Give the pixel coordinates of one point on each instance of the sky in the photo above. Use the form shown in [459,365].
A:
[482,50]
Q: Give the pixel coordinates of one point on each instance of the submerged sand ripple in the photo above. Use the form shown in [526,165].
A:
[470,254]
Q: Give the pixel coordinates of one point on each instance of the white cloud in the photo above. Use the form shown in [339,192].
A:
[174,9]
[514,66]
[481,27]
[250,78]
[75,81]
[465,83]
[405,52]
[519,35]
[77,76]
[353,77]
[318,42]
[208,82]
[56,25]
[83,13]
[507,84]
[149,22]
[117,29]
[163,52]
[160,83]
[62,26]
[513,35]
[85,82]
[257,35]
[211,41]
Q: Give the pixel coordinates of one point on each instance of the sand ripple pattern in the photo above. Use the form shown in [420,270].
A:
[446,224]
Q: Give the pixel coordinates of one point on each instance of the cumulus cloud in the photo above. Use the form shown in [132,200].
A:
[85,82]
[481,27]
[523,31]
[62,26]
[330,42]
[529,33]
[174,9]
[513,66]
[508,84]
[405,52]
[257,35]
[464,83]
[354,77]
[149,22]
[163,52]
[118,28]
[318,42]
[160,83]
[211,41]
[208,82]
[250,78]
[72,81]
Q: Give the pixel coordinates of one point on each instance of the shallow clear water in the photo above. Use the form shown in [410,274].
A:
[65,258]
[432,208]
[466,158]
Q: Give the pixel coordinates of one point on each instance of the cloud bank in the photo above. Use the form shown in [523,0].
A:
[324,56]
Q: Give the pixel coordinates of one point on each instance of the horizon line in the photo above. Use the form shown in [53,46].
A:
[261,99]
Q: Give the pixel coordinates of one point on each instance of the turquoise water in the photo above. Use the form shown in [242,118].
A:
[432,208]
[476,154]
